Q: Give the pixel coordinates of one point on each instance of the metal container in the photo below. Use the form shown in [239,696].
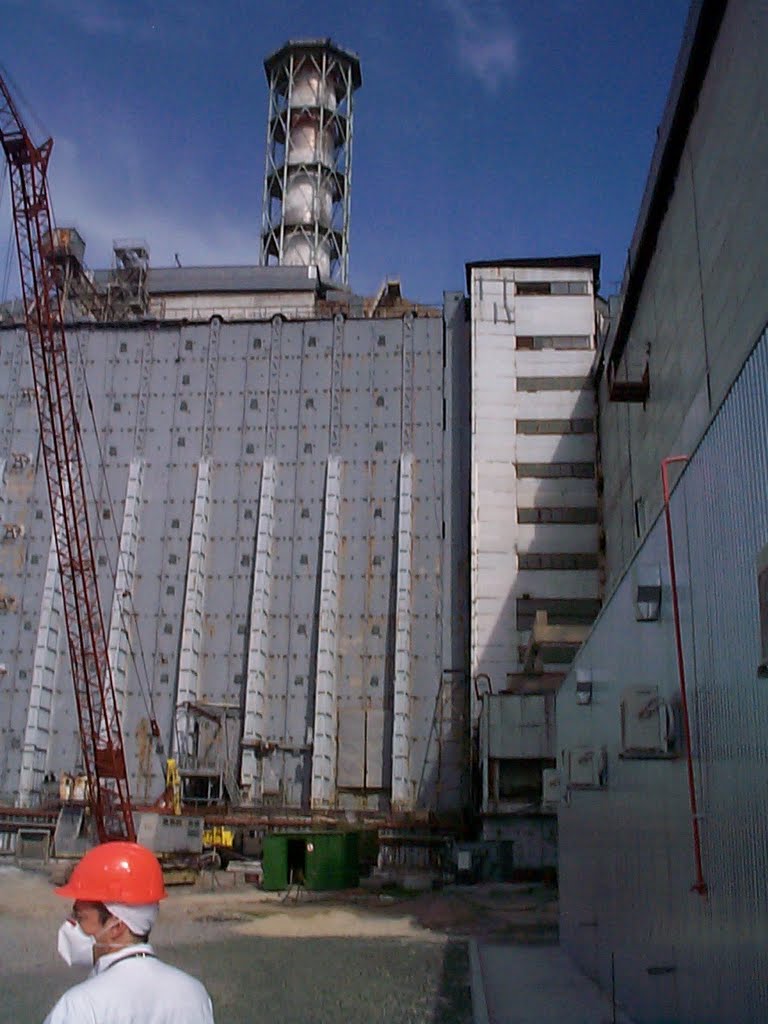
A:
[275,863]
[67,242]
[319,861]
[169,833]
[33,845]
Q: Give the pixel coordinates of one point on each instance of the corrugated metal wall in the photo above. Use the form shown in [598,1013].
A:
[221,444]
[626,851]
[703,303]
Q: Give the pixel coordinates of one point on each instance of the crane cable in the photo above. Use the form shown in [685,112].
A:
[81,364]
[113,568]
[146,693]
[31,115]
[21,101]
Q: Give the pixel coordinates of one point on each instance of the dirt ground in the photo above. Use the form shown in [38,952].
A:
[361,955]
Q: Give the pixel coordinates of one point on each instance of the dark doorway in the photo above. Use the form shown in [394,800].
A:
[297,861]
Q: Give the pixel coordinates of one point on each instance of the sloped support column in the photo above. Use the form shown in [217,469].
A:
[192,624]
[121,617]
[324,743]
[402,787]
[255,726]
[37,734]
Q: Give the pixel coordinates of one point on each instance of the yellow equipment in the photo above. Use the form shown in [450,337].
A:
[173,784]
[219,835]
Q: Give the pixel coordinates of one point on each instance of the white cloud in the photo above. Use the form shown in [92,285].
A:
[486,43]
[123,205]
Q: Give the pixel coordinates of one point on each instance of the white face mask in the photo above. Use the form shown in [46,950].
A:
[75,947]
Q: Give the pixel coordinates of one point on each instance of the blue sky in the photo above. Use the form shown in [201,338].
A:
[482,129]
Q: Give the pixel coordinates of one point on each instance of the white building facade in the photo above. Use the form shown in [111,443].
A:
[535,536]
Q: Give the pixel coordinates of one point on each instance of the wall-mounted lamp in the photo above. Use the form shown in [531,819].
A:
[647,593]
[583,686]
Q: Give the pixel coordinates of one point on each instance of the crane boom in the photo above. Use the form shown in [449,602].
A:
[100,733]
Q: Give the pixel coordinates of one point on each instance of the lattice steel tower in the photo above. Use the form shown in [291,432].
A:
[305,213]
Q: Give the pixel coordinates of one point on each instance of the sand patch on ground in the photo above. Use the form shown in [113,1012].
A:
[31,912]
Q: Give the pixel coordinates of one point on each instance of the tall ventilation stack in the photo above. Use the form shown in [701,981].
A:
[305,213]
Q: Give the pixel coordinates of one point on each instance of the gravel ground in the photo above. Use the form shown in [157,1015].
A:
[297,981]
[357,956]
[299,964]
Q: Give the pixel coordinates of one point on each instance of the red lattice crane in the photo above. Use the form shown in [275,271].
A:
[100,734]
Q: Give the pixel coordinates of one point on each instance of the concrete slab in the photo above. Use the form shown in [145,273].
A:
[534,985]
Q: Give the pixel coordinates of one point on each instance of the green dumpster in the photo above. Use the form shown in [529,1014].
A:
[317,860]
[274,863]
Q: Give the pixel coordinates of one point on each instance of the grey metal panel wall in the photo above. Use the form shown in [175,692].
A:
[626,853]
[199,280]
[704,300]
[265,388]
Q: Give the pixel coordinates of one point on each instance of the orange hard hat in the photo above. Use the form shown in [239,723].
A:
[116,873]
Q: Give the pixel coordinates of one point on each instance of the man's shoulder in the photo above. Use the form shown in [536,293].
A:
[74,1005]
[176,974]
[151,968]
[79,1004]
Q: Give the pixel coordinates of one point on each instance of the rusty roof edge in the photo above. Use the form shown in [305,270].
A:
[699,38]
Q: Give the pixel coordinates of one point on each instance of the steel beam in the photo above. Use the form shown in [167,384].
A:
[37,734]
[254,725]
[325,731]
[188,690]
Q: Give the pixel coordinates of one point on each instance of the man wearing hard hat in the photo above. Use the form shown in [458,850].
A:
[116,890]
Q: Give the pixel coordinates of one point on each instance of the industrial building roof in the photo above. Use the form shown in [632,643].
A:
[199,280]
[699,38]
[588,262]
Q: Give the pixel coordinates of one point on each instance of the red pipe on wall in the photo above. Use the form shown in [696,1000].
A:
[699,886]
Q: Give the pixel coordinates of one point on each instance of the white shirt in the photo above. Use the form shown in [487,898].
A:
[133,987]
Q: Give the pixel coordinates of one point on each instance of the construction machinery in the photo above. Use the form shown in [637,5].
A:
[171,798]
[61,445]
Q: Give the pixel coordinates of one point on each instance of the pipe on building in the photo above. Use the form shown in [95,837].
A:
[699,886]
